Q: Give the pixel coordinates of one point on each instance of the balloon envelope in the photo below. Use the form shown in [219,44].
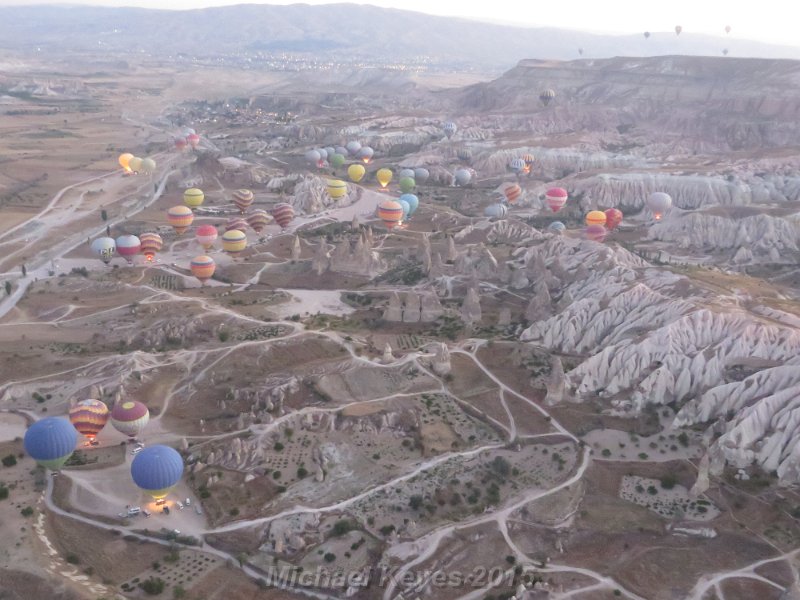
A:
[595,232]
[496,211]
[353,148]
[128,246]
[203,267]
[337,188]
[125,160]
[206,235]
[151,244]
[356,172]
[283,214]
[234,241]
[313,157]
[613,218]
[595,217]
[556,198]
[462,177]
[135,164]
[89,417]
[258,219]
[449,129]
[50,442]
[659,203]
[148,165]
[180,217]
[365,154]
[413,202]
[157,469]
[407,184]
[512,193]
[243,199]
[104,247]
[384,176]
[556,227]
[129,417]
[391,213]
[193,197]
[336,160]
[421,174]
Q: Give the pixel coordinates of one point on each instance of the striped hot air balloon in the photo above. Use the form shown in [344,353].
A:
[180,217]
[283,214]
[391,213]
[517,165]
[613,218]
[528,158]
[203,268]
[337,188]
[596,217]
[258,219]
[512,193]
[50,442]
[193,197]
[128,246]
[547,96]
[556,198]
[496,211]
[129,417]
[193,139]
[151,244]
[206,235]
[156,470]
[234,241]
[89,417]
[243,199]
[595,232]
[236,223]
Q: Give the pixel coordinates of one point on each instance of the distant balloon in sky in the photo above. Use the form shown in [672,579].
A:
[449,129]
[547,96]
[678,29]
[646,34]
[727,28]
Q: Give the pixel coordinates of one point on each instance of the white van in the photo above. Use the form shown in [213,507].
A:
[135,510]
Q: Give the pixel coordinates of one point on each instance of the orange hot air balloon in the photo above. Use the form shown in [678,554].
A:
[391,213]
[180,217]
[203,268]
[243,199]
[596,217]
[151,244]
[258,220]
[124,161]
[613,218]
[512,193]
[89,417]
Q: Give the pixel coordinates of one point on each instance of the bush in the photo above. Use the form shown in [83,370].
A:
[72,558]
[302,472]
[683,439]
[27,511]
[277,447]
[3,492]
[234,512]
[9,461]
[342,527]
[223,335]
[668,481]
[606,452]
[329,557]
[153,586]
[178,592]
[276,474]
[651,489]
[415,502]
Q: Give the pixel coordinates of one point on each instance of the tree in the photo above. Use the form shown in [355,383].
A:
[153,586]
[104,215]
[415,502]
[9,460]
[8,288]
[329,557]
[178,592]
[24,271]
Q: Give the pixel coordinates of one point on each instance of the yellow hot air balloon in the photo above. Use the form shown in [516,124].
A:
[124,161]
[193,197]
[234,241]
[384,176]
[596,217]
[356,172]
[135,164]
[337,188]
[148,165]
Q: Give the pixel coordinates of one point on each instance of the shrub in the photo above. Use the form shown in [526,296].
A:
[72,558]
[668,481]
[342,527]
[9,461]
[329,557]
[153,586]
[301,472]
[27,511]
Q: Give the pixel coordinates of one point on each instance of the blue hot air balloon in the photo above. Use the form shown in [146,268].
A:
[556,227]
[50,442]
[157,469]
[413,202]
[406,207]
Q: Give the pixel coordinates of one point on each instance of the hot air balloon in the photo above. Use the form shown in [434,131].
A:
[613,218]
[353,148]
[528,158]
[181,143]
[464,155]
[258,220]
[180,217]
[135,164]
[193,139]
[341,150]
[405,206]
[125,160]
[234,241]
[151,244]
[365,154]
[128,246]
[406,173]
[580,51]
[517,165]
[384,176]
[391,213]
[283,214]
[421,174]
[646,34]
[236,223]
[449,129]
[496,211]
[678,29]
[556,198]
[595,217]
[330,151]
[462,177]
[557,227]
[203,268]
[206,235]
[356,172]
[337,188]
[323,154]
[129,417]
[104,247]
[148,166]
[659,203]
[157,470]
[407,184]
[50,442]
[727,28]
[313,157]
[89,417]
[336,160]
[193,197]
[243,199]
[512,193]
[546,96]
[595,232]
[413,202]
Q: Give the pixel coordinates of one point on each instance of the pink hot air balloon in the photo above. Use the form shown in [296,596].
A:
[206,235]
[128,246]
[613,218]
[596,233]
[556,198]
[193,139]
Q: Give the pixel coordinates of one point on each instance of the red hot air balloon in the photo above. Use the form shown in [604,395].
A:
[556,198]
[193,139]
[613,218]
[128,246]
[283,214]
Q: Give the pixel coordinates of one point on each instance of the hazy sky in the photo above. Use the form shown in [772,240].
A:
[765,20]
